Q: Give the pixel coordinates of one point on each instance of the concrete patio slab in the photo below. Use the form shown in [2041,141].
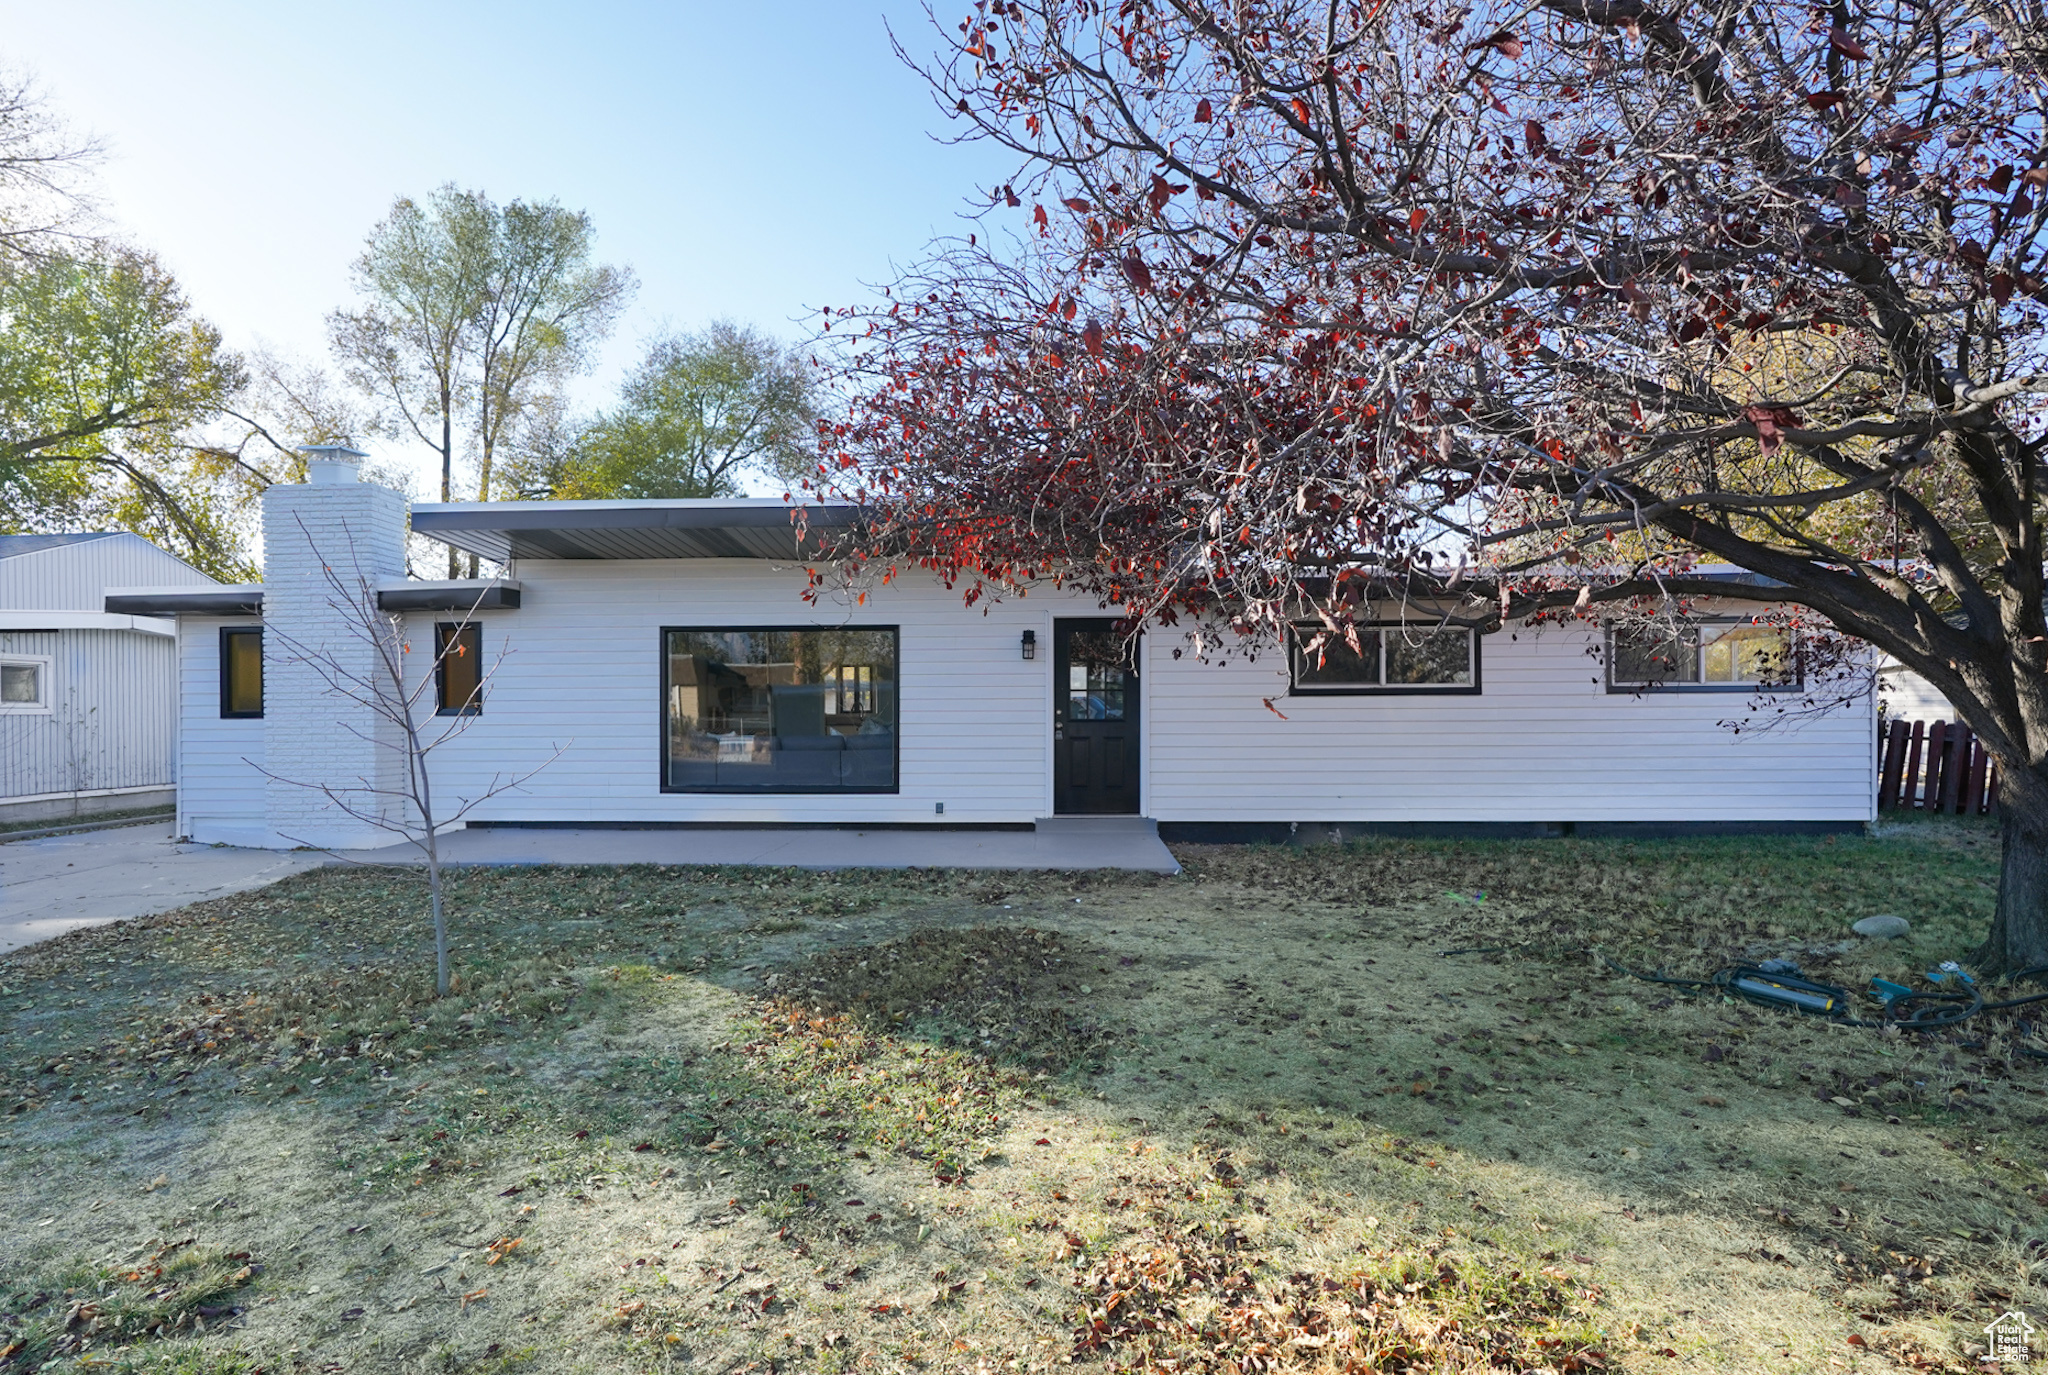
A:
[1065,843]
[55,884]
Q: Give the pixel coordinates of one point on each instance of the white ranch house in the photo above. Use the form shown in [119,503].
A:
[665,649]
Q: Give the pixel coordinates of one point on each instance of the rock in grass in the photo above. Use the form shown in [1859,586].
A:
[1883,927]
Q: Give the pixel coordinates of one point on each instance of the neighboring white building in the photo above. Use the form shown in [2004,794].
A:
[1904,695]
[88,699]
[661,668]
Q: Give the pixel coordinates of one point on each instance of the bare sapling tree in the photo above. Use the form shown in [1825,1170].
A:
[396,713]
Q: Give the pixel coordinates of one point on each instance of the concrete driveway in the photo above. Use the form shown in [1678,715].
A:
[57,883]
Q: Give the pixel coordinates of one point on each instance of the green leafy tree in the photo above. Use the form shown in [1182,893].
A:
[470,314]
[106,376]
[407,346]
[700,413]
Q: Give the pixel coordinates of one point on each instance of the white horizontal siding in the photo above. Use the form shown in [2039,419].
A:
[584,672]
[1544,741]
[1909,697]
[112,716]
[220,792]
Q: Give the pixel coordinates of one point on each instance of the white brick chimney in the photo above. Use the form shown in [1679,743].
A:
[311,733]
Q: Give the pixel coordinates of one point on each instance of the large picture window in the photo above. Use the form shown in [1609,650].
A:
[1390,658]
[241,672]
[773,710]
[1718,655]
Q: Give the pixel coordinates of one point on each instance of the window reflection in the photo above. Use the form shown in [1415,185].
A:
[1095,676]
[1715,654]
[1409,655]
[780,710]
[1745,654]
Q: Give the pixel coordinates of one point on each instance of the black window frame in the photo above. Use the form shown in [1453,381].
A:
[1295,660]
[661,715]
[1632,689]
[227,633]
[475,705]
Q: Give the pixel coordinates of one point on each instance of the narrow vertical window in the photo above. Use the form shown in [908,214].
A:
[459,655]
[241,672]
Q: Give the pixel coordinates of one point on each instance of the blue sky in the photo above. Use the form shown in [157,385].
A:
[748,161]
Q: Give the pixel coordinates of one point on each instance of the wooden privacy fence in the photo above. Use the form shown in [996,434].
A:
[1936,768]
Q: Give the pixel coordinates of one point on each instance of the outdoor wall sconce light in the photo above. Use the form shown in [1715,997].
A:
[1031,644]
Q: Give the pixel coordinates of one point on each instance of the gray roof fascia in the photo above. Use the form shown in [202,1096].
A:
[457,594]
[240,599]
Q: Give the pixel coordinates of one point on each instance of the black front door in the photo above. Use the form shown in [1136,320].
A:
[1095,720]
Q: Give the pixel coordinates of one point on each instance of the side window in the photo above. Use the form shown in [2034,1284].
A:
[1390,657]
[24,684]
[459,668]
[1711,656]
[241,673]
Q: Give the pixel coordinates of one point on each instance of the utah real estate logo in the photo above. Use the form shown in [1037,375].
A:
[2010,1338]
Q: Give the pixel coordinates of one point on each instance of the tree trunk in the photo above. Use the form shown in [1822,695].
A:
[2019,931]
[448,475]
[483,482]
[441,981]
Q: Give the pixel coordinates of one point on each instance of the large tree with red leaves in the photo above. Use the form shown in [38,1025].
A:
[1513,309]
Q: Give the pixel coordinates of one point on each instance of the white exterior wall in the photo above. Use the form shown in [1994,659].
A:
[112,722]
[1909,697]
[112,717]
[220,788]
[584,672]
[1544,741]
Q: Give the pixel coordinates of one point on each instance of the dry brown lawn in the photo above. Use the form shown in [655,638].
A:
[1250,1118]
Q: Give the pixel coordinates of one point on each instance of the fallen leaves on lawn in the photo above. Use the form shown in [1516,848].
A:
[180,1289]
[1192,1298]
[994,990]
[833,1077]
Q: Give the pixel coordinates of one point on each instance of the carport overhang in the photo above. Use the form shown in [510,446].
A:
[735,528]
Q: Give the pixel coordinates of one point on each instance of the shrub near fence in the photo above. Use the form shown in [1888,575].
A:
[1938,767]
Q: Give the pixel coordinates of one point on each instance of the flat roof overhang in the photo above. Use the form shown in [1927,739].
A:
[246,599]
[234,599]
[736,528]
[458,594]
